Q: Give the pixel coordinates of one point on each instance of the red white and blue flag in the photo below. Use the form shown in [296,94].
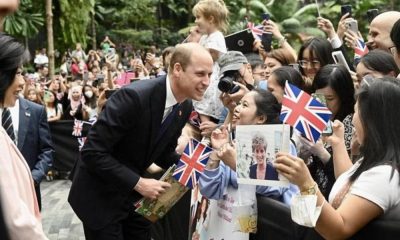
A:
[360,49]
[192,162]
[256,30]
[78,127]
[303,112]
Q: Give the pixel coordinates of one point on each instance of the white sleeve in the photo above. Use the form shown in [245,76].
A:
[376,186]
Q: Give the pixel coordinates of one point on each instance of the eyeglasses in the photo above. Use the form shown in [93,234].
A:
[313,63]
[393,50]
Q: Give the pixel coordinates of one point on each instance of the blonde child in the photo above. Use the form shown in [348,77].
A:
[211,20]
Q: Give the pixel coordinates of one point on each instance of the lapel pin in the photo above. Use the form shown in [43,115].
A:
[28,114]
[180,113]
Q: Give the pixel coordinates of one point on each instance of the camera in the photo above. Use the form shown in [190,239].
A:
[226,82]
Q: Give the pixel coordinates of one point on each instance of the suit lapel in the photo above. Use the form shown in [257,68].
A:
[24,119]
[157,106]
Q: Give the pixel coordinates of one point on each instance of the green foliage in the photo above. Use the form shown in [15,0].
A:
[25,23]
[74,20]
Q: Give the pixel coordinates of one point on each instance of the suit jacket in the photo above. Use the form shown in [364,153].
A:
[120,146]
[34,139]
[270,172]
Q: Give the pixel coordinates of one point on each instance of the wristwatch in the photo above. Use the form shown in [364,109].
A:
[311,190]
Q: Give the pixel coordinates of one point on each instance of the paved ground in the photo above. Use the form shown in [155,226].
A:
[59,221]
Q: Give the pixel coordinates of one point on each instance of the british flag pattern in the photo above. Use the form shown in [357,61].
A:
[303,112]
[192,162]
[256,30]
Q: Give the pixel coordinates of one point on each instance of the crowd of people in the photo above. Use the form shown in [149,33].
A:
[352,174]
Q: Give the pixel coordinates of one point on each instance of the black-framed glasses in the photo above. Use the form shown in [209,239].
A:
[393,50]
[313,63]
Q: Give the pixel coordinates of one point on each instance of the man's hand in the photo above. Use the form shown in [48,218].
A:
[151,188]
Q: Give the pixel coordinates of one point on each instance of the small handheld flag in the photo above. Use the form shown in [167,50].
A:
[78,127]
[256,30]
[304,113]
[192,162]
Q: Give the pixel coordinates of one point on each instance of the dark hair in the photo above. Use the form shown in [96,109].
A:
[395,35]
[12,56]
[378,108]
[320,49]
[287,73]
[55,103]
[91,102]
[254,60]
[267,106]
[339,79]
[380,61]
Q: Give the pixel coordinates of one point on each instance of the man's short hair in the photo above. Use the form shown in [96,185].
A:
[181,55]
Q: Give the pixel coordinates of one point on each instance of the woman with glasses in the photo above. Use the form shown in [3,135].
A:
[17,192]
[369,188]
[314,54]
[376,64]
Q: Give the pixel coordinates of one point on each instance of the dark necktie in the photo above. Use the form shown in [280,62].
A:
[6,121]
[167,121]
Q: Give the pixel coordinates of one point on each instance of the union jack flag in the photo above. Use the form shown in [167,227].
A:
[304,113]
[77,130]
[360,49]
[192,162]
[256,30]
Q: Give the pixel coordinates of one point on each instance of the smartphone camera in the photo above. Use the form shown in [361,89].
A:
[328,129]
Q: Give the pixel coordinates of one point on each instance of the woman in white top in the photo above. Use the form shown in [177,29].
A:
[370,188]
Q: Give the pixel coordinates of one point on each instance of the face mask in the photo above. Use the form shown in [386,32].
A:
[89,94]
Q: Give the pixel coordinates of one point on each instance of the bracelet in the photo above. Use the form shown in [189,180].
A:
[312,190]
[282,40]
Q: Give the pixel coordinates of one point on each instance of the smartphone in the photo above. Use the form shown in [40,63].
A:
[338,57]
[265,16]
[371,14]
[109,92]
[346,9]
[328,129]
[266,40]
[352,25]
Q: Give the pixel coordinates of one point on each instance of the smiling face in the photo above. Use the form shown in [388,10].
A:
[310,64]
[206,26]
[192,82]
[13,91]
[245,111]
[259,153]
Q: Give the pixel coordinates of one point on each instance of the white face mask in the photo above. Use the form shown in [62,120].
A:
[89,94]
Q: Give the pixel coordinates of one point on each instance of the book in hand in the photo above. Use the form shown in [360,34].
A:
[156,209]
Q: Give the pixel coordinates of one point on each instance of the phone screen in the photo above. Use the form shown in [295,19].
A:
[328,129]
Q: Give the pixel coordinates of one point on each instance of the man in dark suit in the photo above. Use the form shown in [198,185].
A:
[139,125]
[33,139]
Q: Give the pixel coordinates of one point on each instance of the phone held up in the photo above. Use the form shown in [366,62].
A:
[346,9]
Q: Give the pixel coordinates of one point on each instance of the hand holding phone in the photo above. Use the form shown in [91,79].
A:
[352,25]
